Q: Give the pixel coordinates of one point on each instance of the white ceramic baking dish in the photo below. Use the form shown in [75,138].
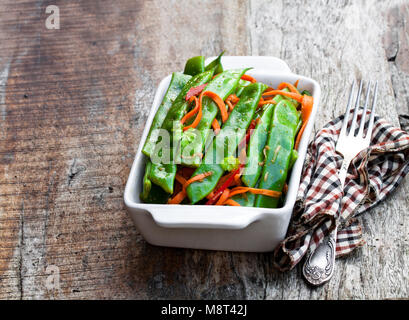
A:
[220,227]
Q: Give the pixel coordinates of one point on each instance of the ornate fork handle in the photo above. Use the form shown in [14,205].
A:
[319,265]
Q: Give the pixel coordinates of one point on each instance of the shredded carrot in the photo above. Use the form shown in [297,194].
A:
[197,178]
[306,109]
[237,180]
[192,112]
[179,178]
[231,202]
[220,103]
[198,109]
[283,85]
[231,107]
[223,197]
[261,103]
[248,78]
[233,98]
[265,192]
[296,96]
[216,126]
[178,198]
[296,83]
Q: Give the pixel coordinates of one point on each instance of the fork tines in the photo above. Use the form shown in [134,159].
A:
[354,119]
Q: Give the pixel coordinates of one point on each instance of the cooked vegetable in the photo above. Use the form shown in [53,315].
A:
[147,185]
[230,135]
[245,160]
[216,64]
[177,82]
[195,66]
[279,146]
[221,86]
[163,174]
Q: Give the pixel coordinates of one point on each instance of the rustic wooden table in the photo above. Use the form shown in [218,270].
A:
[73,104]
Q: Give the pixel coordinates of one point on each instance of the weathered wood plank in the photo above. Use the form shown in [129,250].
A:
[73,103]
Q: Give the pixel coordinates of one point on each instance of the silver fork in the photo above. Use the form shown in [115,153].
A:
[319,265]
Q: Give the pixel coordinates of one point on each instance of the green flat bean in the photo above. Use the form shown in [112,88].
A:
[163,174]
[146,183]
[177,82]
[216,64]
[195,66]
[255,157]
[279,147]
[226,143]
[223,85]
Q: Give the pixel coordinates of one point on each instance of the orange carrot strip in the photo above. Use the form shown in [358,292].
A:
[231,202]
[178,198]
[296,83]
[248,78]
[197,178]
[265,192]
[261,103]
[180,179]
[237,180]
[198,116]
[220,103]
[283,85]
[292,95]
[231,107]
[306,109]
[233,98]
[223,197]
[192,112]
[216,126]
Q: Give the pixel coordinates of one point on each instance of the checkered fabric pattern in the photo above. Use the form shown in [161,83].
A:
[321,204]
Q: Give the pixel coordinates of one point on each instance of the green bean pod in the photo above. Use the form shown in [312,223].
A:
[177,82]
[146,183]
[163,174]
[225,144]
[279,147]
[255,157]
[240,87]
[255,154]
[223,85]
[216,64]
[195,66]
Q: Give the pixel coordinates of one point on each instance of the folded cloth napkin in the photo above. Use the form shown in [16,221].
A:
[321,204]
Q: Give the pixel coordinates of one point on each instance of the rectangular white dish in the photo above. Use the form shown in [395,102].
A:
[220,227]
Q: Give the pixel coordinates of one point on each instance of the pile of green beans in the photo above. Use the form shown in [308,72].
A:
[268,146]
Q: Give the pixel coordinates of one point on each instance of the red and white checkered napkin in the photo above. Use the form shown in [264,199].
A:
[321,204]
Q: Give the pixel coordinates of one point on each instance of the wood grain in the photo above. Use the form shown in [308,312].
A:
[73,104]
